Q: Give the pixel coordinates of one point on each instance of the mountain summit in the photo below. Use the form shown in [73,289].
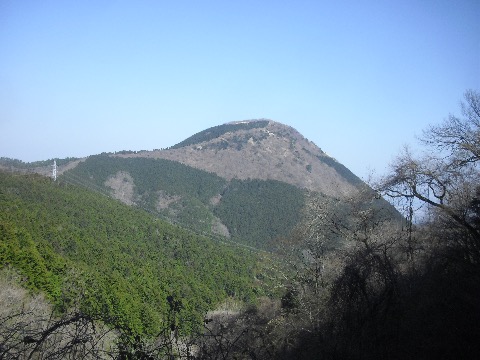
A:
[261,149]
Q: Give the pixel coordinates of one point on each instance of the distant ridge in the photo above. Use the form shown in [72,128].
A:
[217,131]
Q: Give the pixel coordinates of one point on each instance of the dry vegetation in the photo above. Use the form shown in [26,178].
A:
[276,152]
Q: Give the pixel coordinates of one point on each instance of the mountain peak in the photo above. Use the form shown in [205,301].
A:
[261,149]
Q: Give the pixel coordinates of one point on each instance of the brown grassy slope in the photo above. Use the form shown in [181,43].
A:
[276,152]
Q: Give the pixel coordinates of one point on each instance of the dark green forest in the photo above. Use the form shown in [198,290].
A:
[256,212]
[152,176]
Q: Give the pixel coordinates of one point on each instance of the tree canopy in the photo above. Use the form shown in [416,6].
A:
[75,244]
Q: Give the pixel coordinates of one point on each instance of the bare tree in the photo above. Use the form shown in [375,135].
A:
[459,138]
[447,177]
[30,328]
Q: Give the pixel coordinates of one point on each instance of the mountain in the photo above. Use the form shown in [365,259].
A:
[88,240]
[245,180]
[261,149]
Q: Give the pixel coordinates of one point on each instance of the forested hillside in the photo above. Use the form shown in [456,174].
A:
[255,212]
[77,245]
[187,191]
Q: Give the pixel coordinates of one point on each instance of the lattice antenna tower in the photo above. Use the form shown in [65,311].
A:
[54,170]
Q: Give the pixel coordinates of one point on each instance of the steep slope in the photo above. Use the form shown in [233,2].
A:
[77,246]
[261,149]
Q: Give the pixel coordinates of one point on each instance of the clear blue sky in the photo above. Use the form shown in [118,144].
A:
[359,78]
